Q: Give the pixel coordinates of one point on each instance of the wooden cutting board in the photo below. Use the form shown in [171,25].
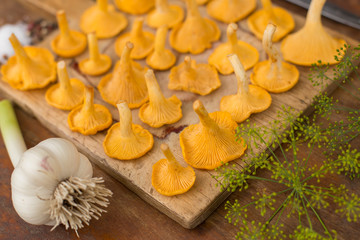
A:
[188,209]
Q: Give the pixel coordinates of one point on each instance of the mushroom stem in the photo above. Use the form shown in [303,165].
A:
[204,117]
[155,94]
[271,50]
[125,120]
[102,5]
[169,156]
[20,53]
[192,7]
[268,8]
[63,24]
[162,5]
[88,106]
[125,60]
[63,76]
[137,31]
[314,12]
[231,33]
[243,82]
[160,39]
[93,47]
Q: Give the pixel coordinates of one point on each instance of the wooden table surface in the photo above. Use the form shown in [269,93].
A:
[128,216]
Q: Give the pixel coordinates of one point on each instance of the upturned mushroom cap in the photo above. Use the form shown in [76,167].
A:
[68,43]
[164,14]
[312,42]
[29,68]
[67,93]
[248,54]
[268,14]
[169,178]
[195,34]
[126,83]
[274,75]
[229,11]
[212,142]
[89,118]
[103,19]
[143,41]
[159,110]
[135,6]
[125,140]
[97,63]
[161,58]
[249,98]
[197,78]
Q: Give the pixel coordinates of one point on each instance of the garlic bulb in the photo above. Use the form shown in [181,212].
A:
[52,183]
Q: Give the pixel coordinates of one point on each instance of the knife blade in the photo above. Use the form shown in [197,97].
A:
[333,12]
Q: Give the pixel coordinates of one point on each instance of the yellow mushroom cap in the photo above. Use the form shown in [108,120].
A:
[29,68]
[159,110]
[68,93]
[97,63]
[195,34]
[164,14]
[274,75]
[212,142]
[126,83]
[268,14]
[161,58]
[197,78]
[229,11]
[125,140]
[249,98]
[201,2]
[169,178]
[248,54]
[135,6]
[68,43]
[312,42]
[143,41]
[103,19]
[89,118]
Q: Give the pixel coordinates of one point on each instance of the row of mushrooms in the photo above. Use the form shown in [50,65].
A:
[34,67]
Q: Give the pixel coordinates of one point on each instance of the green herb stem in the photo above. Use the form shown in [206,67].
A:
[11,132]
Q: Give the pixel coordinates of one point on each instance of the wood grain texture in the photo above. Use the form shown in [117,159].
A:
[188,209]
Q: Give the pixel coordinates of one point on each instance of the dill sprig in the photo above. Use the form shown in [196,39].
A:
[303,192]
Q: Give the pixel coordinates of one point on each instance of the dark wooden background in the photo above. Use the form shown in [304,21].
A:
[128,216]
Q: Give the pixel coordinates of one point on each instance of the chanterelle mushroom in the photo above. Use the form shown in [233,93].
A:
[164,14]
[248,54]
[197,78]
[268,14]
[103,19]
[68,43]
[89,118]
[97,63]
[161,58]
[169,178]
[143,41]
[229,11]
[212,142]
[195,34]
[312,42]
[126,83]
[274,74]
[135,6]
[159,110]
[249,98]
[30,67]
[125,140]
[68,93]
